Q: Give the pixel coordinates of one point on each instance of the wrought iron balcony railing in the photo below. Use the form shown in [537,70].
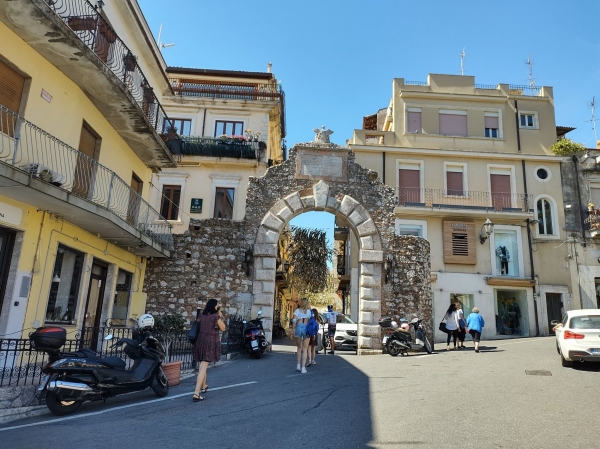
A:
[39,154]
[463,199]
[85,20]
[217,147]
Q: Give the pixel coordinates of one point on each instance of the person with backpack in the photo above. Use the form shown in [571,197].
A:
[299,324]
[331,323]
[313,331]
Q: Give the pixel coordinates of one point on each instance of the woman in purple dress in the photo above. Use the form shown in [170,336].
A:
[208,344]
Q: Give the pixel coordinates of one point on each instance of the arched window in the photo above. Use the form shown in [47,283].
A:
[545,216]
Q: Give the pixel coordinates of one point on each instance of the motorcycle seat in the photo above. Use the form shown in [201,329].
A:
[114,361]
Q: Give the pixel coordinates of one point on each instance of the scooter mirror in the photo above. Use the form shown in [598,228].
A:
[243,321]
[109,337]
[259,312]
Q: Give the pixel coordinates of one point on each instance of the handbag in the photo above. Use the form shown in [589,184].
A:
[442,327]
[193,332]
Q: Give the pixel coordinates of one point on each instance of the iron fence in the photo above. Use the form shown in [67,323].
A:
[415,83]
[217,147]
[232,339]
[95,32]
[29,148]
[526,91]
[486,86]
[465,199]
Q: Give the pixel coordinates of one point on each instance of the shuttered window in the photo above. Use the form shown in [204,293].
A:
[11,93]
[453,123]
[409,183]
[459,242]
[413,121]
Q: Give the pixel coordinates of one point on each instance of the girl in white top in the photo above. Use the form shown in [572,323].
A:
[452,326]
[299,322]
[462,331]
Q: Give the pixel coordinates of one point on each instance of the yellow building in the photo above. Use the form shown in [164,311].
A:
[80,121]
[458,154]
[228,126]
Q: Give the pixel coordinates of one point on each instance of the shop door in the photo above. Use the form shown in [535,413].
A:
[93,309]
[6,245]
[553,306]
[500,186]
[85,171]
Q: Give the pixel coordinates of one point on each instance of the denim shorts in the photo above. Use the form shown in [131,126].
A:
[300,331]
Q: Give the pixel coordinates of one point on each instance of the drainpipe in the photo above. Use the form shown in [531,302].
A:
[203,122]
[36,262]
[581,219]
[383,170]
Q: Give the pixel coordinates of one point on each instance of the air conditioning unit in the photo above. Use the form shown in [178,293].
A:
[45,173]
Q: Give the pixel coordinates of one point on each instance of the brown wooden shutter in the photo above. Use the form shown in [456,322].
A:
[409,182]
[501,194]
[454,183]
[11,93]
[459,242]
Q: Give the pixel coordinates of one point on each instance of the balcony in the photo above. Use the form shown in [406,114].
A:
[73,36]
[452,202]
[61,179]
[231,147]
[592,223]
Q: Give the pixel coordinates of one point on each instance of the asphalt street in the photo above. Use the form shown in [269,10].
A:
[451,399]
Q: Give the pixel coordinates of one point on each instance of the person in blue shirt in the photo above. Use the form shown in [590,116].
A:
[475,325]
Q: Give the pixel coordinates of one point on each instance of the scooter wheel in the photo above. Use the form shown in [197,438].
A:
[160,384]
[256,354]
[59,406]
[393,350]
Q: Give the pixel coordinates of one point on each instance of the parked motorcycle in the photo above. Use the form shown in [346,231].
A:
[255,341]
[72,378]
[400,340]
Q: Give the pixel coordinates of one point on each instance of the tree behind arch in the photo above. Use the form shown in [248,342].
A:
[308,254]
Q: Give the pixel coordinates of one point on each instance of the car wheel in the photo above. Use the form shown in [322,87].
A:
[564,362]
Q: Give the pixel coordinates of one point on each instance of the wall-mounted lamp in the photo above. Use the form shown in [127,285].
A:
[248,260]
[99,4]
[486,231]
[56,278]
[568,207]
[388,266]
[286,266]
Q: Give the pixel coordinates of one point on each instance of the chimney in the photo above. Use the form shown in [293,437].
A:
[269,67]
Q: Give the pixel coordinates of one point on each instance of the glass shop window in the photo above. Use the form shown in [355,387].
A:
[122,297]
[66,278]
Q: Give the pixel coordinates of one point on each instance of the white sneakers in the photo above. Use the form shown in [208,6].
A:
[303,371]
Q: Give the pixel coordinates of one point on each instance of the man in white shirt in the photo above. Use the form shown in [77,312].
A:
[331,322]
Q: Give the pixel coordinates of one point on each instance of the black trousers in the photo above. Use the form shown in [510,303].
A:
[454,334]
[462,333]
[504,266]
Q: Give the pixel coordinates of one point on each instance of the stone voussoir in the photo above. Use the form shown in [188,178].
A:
[267,250]
[272,222]
[367,255]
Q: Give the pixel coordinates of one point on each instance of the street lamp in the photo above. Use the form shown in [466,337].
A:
[388,266]
[486,231]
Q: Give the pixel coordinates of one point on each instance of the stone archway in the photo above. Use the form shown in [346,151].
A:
[370,256]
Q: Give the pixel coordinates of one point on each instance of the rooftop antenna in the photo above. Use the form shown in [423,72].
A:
[462,61]
[593,120]
[160,44]
[531,79]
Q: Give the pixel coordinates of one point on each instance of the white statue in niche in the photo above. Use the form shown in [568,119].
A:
[322,134]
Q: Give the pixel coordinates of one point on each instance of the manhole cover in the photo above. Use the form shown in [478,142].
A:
[538,372]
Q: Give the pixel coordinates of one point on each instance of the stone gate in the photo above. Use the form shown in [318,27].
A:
[208,259]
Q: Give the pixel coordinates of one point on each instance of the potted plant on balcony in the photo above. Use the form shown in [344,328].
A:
[82,23]
[169,328]
[130,62]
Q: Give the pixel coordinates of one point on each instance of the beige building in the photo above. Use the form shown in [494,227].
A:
[80,122]
[228,126]
[458,154]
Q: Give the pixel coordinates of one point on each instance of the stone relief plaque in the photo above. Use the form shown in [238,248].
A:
[318,164]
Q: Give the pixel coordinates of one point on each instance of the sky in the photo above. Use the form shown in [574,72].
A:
[336,59]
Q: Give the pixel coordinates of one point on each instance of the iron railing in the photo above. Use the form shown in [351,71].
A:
[486,86]
[41,155]
[463,199]
[95,32]
[526,91]
[217,147]
[415,83]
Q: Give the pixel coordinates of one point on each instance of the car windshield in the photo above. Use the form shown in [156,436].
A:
[341,318]
[585,322]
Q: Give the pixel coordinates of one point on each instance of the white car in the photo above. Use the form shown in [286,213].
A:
[346,332]
[578,336]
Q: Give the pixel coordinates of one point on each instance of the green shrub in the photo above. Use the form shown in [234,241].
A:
[566,147]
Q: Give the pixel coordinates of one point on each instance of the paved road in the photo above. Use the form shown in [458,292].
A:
[448,400]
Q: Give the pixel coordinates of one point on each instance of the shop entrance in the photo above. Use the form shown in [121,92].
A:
[511,313]
[553,306]
[93,309]
[7,239]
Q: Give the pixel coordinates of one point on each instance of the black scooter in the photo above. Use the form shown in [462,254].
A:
[255,341]
[72,378]
[399,341]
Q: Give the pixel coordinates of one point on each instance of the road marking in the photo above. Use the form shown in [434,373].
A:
[120,407]
[301,374]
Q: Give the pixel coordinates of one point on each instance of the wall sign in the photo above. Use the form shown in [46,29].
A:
[196,206]
[10,214]
[46,96]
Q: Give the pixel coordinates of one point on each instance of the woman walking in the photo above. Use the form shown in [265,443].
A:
[475,325]
[462,325]
[452,325]
[299,322]
[313,340]
[208,344]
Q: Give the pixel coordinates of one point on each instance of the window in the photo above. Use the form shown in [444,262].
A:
[491,125]
[224,202]
[545,216]
[453,123]
[66,277]
[12,85]
[528,120]
[413,120]
[122,293]
[501,186]
[229,128]
[171,197]
[409,182]
[542,174]
[459,242]
[182,126]
[506,247]
[455,179]
[417,228]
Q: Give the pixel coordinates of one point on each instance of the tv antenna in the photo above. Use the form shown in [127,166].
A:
[462,61]
[160,44]
[593,120]
[531,79]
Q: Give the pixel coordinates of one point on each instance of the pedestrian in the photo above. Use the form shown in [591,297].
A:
[462,326]
[475,324]
[451,320]
[208,343]
[313,340]
[301,317]
[331,323]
